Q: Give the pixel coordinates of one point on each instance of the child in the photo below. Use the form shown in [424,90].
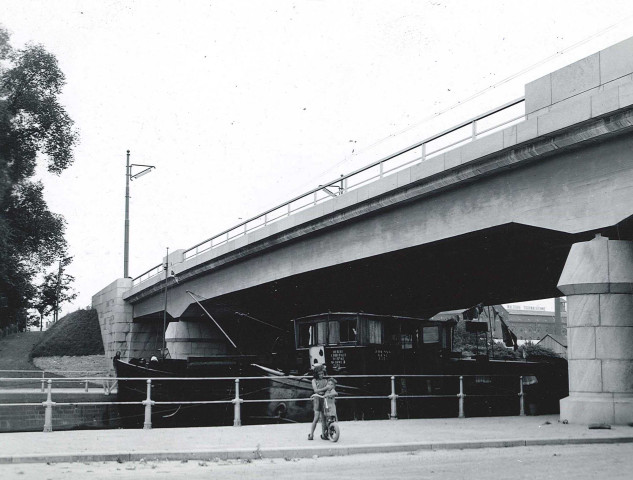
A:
[319,385]
[330,395]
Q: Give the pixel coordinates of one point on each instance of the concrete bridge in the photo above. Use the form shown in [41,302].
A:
[524,202]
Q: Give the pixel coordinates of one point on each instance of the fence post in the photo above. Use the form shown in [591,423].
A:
[461,397]
[86,387]
[237,401]
[148,402]
[43,381]
[393,397]
[521,398]
[48,412]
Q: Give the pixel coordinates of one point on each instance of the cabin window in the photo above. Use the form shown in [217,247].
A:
[348,330]
[312,334]
[374,329]
[306,335]
[335,332]
[406,342]
[431,334]
[342,331]
[392,333]
[321,333]
[408,336]
[446,338]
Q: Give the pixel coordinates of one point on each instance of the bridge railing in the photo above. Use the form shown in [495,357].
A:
[492,121]
[387,383]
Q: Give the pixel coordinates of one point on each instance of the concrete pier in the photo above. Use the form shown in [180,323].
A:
[598,282]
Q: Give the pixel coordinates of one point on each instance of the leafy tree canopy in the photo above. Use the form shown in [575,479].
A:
[34,127]
[53,291]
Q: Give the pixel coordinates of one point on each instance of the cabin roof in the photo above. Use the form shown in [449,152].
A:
[372,315]
[392,318]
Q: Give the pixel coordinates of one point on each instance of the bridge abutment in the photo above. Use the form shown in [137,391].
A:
[118,331]
[115,317]
[598,281]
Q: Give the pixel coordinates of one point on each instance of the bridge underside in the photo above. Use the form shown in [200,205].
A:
[503,264]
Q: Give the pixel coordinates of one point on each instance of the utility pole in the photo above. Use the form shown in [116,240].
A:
[126,243]
[165,311]
[128,178]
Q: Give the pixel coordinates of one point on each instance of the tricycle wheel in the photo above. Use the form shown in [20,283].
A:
[334,432]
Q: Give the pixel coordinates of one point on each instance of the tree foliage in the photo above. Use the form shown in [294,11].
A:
[54,290]
[34,127]
[472,343]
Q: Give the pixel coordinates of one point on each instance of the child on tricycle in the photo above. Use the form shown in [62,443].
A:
[327,411]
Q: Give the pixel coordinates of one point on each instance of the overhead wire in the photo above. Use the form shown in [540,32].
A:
[473,96]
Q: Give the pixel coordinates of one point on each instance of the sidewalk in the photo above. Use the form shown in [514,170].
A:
[290,441]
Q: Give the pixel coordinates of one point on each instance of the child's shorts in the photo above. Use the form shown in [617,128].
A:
[317,404]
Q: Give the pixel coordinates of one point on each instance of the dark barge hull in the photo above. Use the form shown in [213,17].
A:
[491,388]
[184,414]
[357,347]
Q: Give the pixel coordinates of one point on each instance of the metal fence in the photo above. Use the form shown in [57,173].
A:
[490,122]
[148,403]
[108,383]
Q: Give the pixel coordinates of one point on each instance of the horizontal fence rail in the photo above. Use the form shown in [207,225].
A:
[389,386]
[108,383]
[490,122]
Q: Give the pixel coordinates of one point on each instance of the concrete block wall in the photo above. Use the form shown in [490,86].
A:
[598,282]
[115,317]
[590,87]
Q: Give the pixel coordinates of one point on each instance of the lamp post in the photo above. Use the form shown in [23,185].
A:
[129,176]
[165,311]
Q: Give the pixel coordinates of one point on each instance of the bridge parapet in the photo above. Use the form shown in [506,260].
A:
[585,78]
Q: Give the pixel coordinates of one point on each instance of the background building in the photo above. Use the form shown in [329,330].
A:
[534,323]
[528,323]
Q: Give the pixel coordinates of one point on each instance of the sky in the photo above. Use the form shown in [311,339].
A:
[241,105]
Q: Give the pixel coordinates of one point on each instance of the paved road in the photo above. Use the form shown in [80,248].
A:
[577,462]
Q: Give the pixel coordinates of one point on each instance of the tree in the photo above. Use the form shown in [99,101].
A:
[538,353]
[54,291]
[34,127]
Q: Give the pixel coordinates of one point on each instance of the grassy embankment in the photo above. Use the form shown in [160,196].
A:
[73,343]
[74,335]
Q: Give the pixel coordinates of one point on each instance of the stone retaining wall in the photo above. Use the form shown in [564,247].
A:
[30,418]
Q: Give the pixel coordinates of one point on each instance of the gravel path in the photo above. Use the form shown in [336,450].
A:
[89,365]
[14,355]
